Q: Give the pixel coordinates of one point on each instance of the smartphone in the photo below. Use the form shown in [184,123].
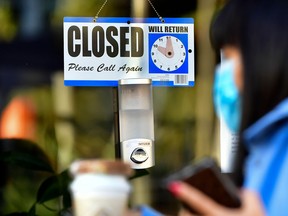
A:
[206,176]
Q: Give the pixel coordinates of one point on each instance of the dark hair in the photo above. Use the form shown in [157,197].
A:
[264,52]
[259,28]
[226,26]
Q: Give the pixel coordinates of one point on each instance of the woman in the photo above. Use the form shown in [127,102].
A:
[253,35]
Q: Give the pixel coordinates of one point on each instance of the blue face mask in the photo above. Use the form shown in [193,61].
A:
[227,100]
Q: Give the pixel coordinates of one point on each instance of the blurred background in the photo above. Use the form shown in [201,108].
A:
[68,123]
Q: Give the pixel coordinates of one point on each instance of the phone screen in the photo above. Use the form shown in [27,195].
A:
[206,176]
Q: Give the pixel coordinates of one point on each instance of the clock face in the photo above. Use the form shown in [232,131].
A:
[168,53]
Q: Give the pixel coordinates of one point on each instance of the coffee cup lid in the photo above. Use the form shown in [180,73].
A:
[113,167]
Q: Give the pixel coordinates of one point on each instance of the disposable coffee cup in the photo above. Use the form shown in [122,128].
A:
[100,187]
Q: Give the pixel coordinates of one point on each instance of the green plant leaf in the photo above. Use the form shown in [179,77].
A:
[67,200]
[32,211]
[25,154]
[18,214]
[54,187]
[27,161]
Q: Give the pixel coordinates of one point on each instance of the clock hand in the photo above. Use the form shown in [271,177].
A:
[169,48]
[162,50]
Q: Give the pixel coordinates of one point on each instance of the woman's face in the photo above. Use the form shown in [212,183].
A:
[232,52]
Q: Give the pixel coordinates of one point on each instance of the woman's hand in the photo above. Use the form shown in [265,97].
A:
[251,204]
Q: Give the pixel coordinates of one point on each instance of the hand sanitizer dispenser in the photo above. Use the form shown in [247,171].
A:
[136,122]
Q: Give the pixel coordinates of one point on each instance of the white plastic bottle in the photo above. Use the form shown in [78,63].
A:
[136,122]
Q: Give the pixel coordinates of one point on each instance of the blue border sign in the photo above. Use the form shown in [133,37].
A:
[103,51]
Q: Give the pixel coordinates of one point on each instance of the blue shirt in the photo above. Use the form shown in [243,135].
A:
[148,211]
[266,168]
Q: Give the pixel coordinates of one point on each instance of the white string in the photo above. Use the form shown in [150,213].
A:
[161,18]
[103,5]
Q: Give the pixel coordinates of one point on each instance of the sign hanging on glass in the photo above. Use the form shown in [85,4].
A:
[100,53]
